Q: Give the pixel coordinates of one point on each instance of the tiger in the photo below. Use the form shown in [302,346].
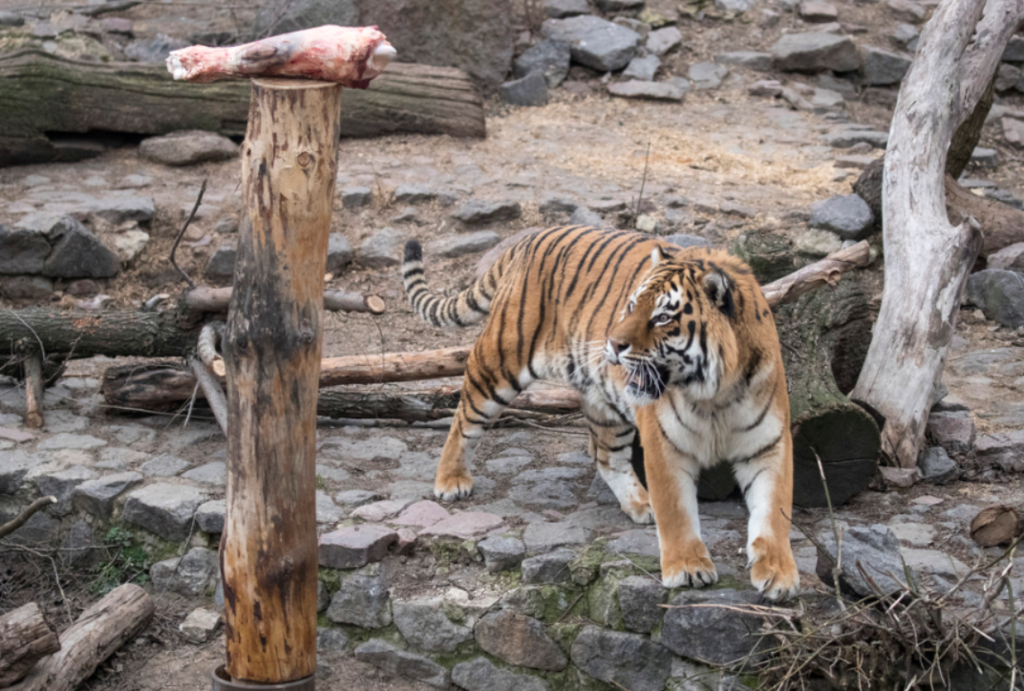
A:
[675,345]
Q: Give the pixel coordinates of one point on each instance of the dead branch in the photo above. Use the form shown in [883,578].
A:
[19,520]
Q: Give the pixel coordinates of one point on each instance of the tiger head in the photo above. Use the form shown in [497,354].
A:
[675,329]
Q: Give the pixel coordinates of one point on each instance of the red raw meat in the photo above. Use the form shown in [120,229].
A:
[350,56]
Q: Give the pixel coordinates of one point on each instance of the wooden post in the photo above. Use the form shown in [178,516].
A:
[272,351]
[34,389]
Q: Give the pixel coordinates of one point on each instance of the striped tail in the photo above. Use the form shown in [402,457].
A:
[471,306]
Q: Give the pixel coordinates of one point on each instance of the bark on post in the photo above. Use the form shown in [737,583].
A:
[34,389]
[927,258]
[272,350]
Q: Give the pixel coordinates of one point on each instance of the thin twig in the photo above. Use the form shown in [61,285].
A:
[181,234]
[643,183]
[42,348]
[19,520]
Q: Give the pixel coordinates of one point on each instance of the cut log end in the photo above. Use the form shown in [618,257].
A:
[995,525]
[375,304]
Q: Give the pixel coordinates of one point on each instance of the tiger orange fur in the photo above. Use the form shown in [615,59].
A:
[676,344]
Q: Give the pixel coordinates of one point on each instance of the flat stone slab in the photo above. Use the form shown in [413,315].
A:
[480,674]
[210,516]
[164,509]
[363,600]
[97,496]
[200,625]
[213,473]
[403,664]
[627,660]
[164,465]
[465,525]
[545,537]
[815,52]
[423,624]
[552,567]
[501,553]
[381,510]
[655,91]
[710,633]
[61,485]
[356,545]
[70,441]
[422,514]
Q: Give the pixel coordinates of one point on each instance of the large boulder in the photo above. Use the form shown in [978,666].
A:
[473,35]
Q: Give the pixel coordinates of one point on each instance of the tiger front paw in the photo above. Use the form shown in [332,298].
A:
[453,487]
[693,568]
[639,509]
[773,570]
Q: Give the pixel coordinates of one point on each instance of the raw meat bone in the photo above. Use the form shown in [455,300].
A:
[350,56]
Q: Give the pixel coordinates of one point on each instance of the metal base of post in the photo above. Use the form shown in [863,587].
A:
[222,682]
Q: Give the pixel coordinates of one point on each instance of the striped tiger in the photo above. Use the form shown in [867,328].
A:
[678,345]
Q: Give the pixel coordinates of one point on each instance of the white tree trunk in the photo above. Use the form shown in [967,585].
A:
[927,260]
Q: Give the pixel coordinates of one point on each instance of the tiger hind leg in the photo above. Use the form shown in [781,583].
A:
[485,393]
[611,447]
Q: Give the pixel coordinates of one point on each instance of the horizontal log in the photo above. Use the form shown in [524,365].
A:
[210,299]
[142,98]
[394,367]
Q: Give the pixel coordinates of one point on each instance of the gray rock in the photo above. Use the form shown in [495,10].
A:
[613,6]
[627,660]
[14,465]
[550,57]
[759,62]
[191,575]
[461,245]
[734,6]
[713,635]
[77,253]
[120,209]
[330,640]
[936,467]
[1014,51]
[362,600]
[1007,77]
[815,52]
[356,497]
[1002,449]
[326,510]
[423,624]
[531,90]
[403,664]
[559,9]
[639,597]
[643,68]
[817,11]
[164,465]
[952,430]
[97,496]
[8,18]
[849,136]
[519,640]
[188,147]
[999,294]
[882,67]
[479,211]
[595,42]
[541,538]
[414,194]
[874,548]
[383,249]
[200,625]
[655,91]
[501,553]
[933,562]
[22,250]
[1010,258]
[164,509]
[480,674]
[153,49]
[79,547]
[323,599]
[210,516]
[355,545]
[26,287]
[80,442]
[848,216]
[707,75]
[687,240]
[356,197]
[339,253]
[661,41]
[214,473]
[905,34]
[556,205]
[552,567]
[222,264]
[549,488]
[41,530]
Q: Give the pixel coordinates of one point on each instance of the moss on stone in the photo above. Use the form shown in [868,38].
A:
[564,635]
[586,565]
[331,578]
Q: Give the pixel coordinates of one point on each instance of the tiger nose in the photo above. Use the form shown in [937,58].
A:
[618,346]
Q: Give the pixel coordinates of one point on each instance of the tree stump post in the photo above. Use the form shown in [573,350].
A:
[272,353]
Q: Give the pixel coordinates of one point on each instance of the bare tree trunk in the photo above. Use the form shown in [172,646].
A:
[101,630]
[927,258]
[25,638]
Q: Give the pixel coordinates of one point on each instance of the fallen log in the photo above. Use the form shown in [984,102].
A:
[100,630]
[141,98]
[210,299]
[25,638]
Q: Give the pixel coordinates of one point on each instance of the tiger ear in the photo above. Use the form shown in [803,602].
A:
[658,254]
[718,288]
